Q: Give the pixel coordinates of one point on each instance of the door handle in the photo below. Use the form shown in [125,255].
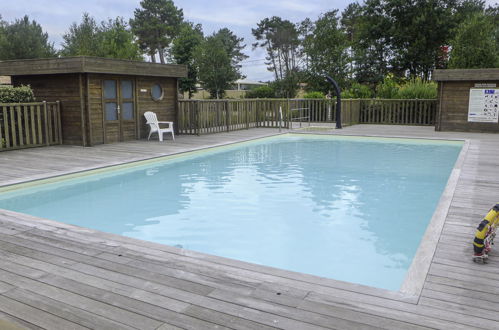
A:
[118,108]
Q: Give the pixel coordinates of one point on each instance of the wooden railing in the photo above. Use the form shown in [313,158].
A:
[399,112]
[24,125]
[212,116]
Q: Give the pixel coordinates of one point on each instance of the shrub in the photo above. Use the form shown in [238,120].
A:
[388,89]
[16,94]
[418,89]
[261,92]
[286,87]
[357,91]
[314,95]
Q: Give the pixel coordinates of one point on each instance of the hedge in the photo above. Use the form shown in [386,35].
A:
[21,94]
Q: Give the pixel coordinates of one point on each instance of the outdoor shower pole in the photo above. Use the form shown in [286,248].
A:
[338,100]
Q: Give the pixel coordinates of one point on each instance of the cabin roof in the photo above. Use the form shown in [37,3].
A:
[466,74]
[87,64]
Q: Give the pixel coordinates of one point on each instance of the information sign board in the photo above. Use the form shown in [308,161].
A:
[483,105]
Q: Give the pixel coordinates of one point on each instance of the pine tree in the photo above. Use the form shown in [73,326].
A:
[24,39]
[156,24]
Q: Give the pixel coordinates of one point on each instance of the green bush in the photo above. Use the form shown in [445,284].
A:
[16,94]
[261,92]
[357,91]
[388,89]
[314,95]
[418,89]
[286,87]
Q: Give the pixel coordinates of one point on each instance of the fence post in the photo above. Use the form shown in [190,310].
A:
[280,119]
[2,141]
[45,123]
[227,115]
[59,124]
[196,116]
[258,105]
[246,103]
[288,114]
[19,125]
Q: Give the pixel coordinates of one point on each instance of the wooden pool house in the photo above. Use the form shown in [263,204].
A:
[101,100]
[468,100]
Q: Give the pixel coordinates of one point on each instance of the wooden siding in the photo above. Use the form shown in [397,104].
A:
[476,75]
[96,119]
[66,89]
[165,108]
[4,80]
[85,64]
[453,108]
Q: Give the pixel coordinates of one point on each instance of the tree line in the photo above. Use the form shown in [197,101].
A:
[369,45]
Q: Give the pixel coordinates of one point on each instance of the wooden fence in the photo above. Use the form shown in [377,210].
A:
[212,116]
[398,112]
[24,125]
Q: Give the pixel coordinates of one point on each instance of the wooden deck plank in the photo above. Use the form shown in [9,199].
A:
[54,275]
[64,311]
[77,300]
[461,292]
[196,283]
[35,315]
[218,317]
[327,304]
[121,288]
[9,322]
[459,300]
[344,320]
[478,317]
[157,272]
[129,304]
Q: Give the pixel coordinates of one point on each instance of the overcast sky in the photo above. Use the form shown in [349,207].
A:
[55,16]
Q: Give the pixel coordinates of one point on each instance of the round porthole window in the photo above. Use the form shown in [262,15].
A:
[157,92]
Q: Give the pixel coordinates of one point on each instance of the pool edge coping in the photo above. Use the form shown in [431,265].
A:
[123,165]
[418,271]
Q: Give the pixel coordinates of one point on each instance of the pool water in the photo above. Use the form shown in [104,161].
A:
[347,208]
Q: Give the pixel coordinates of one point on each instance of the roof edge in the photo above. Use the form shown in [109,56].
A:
[485,74]
[89,64]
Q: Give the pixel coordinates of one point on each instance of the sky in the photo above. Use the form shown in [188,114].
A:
[55,17]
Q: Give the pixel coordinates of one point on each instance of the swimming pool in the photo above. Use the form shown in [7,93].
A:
[347,208]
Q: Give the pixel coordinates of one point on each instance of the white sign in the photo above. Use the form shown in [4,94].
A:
[484,105]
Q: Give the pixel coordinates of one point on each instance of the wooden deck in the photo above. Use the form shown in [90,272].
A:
[58,276]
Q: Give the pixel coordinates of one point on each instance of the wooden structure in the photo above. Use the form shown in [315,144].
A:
[24,125]
[102,100]
[4,80]
[215,116]
[454,98]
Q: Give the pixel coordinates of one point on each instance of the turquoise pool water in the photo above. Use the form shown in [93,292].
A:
[347,208]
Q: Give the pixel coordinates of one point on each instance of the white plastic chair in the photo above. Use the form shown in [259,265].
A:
[152,121]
